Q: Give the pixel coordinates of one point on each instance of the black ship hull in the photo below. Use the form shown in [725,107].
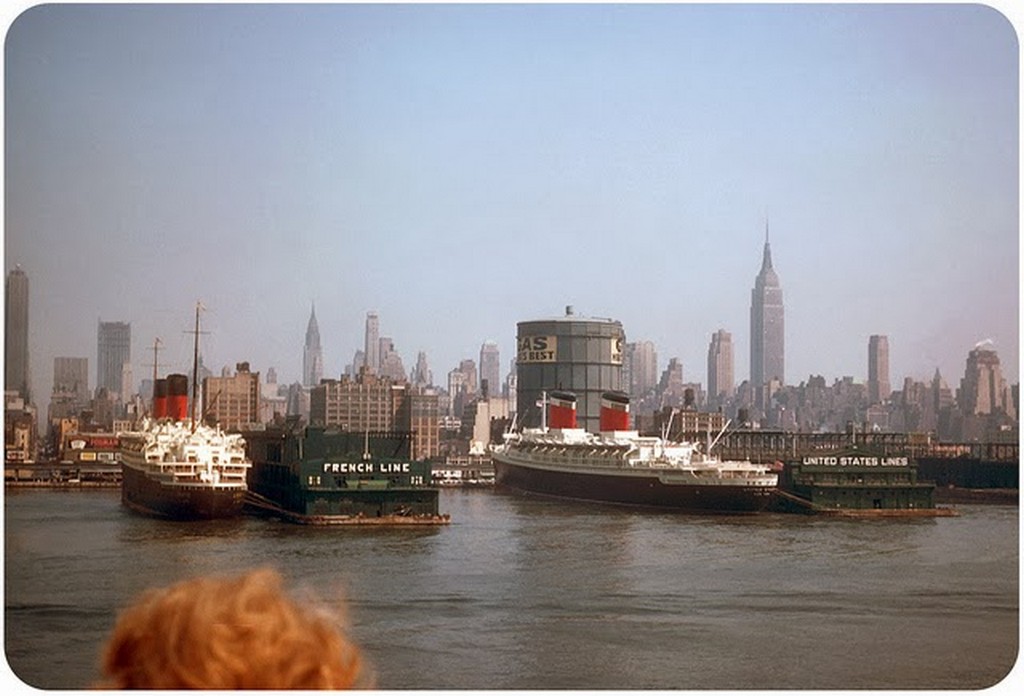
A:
[633,490]
[146,496]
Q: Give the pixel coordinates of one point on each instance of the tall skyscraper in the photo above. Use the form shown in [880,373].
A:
[983,389]
[468,368]
[70,393]
[509,390]
[879,388]
[313,354]
[371,346]
[421,374]
[490,368]
[71,379]
[16,371]
[767,334]
[942,395]
[640,368]
[721,383]
[390,361]
[113,352]
[671,385]
[457,393]
[358,363]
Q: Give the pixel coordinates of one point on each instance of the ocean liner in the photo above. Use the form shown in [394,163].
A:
[620,466]
[175,467]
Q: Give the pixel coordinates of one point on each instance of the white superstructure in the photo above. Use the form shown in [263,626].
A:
[175,454]
[625,452]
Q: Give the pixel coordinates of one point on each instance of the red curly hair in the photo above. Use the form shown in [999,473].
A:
[229,633]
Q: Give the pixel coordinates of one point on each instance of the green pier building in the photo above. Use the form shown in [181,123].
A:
[855,482]
[317,475]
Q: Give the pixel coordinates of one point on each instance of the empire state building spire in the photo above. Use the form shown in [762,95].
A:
[313,355]
[766,260]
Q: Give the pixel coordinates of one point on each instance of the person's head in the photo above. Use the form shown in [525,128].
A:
[238,632]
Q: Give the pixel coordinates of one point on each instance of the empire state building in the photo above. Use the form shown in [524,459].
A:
[767,335]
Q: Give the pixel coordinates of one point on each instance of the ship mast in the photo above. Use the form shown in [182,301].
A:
[156,347]
[195,368]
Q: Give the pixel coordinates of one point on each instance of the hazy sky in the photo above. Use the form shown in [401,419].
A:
[461,168]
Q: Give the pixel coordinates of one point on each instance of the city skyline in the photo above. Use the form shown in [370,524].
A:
[461,169]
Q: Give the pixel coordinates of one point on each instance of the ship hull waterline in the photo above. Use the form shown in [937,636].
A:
[149,497]
[632,490]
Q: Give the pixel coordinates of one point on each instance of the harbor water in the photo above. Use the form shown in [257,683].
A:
[524,593]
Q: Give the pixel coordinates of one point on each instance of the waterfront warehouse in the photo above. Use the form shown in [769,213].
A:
[858,482]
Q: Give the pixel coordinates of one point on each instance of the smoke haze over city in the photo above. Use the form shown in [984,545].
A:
[461,168]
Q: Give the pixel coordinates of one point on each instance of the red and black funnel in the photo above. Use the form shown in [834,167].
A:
[177,397]
[561,410]
[160,398]
[614,412]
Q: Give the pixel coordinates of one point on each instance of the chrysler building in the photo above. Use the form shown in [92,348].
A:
[312,355]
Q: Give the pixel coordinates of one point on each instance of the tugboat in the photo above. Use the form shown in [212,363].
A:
[177,468]
[621,466]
